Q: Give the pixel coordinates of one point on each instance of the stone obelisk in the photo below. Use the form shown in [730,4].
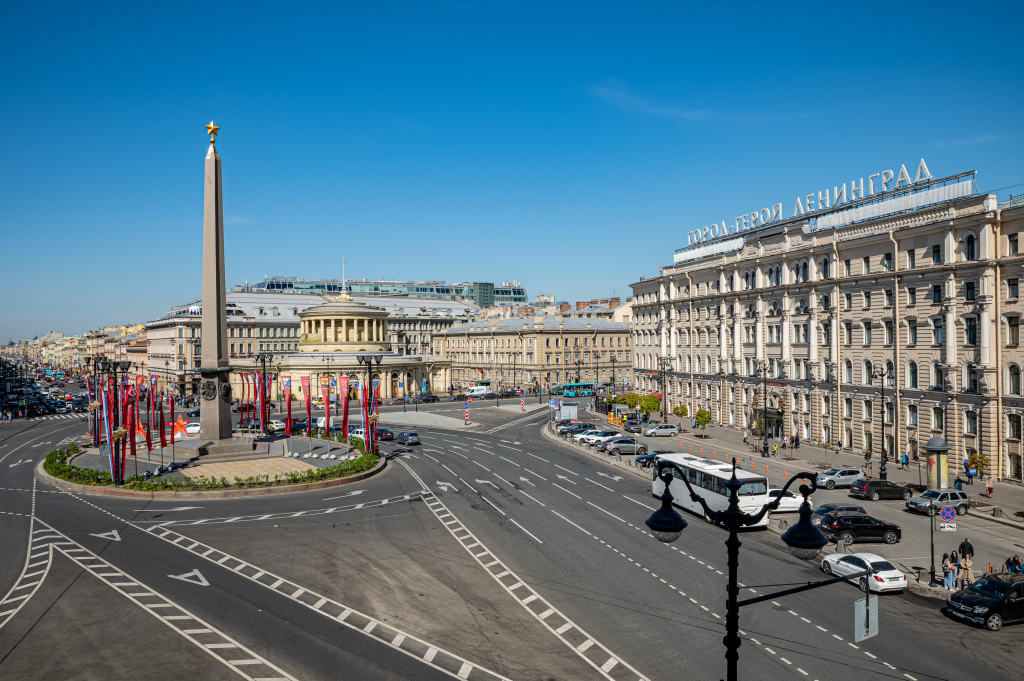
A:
[215,386]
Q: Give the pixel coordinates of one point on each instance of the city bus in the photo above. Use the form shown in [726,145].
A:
[708,480]
[576,389]
[479,388]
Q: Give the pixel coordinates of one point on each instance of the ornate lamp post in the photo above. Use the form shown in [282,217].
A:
[761,367]
[884,373]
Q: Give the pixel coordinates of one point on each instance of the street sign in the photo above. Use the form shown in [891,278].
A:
[947,527]
[865,618]
[948,514]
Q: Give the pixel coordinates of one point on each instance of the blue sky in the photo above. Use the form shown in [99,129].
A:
[570,146]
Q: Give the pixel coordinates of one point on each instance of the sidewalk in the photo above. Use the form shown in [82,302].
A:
[728,443]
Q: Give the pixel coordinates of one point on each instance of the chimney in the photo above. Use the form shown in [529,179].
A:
[614,302]
[564,307]
[580,305]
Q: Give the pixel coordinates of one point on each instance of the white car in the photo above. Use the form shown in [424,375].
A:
[596,436]
[192,428]
[888,578]
[578,437]
[789,503]
[275,426]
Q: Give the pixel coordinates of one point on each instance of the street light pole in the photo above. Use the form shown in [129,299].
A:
[883,374]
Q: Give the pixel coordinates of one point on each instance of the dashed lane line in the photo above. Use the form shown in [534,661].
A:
[596,654]
[38,558]
[217,644]
[440,659]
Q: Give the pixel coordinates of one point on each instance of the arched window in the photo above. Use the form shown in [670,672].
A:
[913,374]
[936,377]
[849,371]
[824,274]
[801,306]
[1015,380]
[867,372]
[890,375]
[970,248]
[803,276]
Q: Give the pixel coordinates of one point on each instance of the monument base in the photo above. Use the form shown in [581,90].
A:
[234,449]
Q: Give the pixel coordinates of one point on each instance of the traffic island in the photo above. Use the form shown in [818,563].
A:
[58,470]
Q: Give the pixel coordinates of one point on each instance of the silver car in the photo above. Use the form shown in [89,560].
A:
[662,429]
[840,477]
[930,501]
[623,445]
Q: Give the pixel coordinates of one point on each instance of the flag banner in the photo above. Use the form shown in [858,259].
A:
[258,394]
[287,381]
[305,393]
[244,408]
[140,381]
[163,427]
[171,401]
[152,381]
[343,396]
[325,391]
[109,434]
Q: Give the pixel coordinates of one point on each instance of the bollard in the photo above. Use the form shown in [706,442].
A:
[766,469]
[784,471]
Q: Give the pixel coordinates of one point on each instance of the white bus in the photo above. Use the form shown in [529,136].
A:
[708,480]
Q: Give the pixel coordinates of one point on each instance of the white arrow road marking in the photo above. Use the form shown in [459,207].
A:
[613,477]
[112,535]
[165,510]
[22,461]
[446,485]
[194,577]
[487,482]
[350,494]
[527,481]
[565,478]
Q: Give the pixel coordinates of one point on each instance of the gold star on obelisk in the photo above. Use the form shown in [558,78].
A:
[211,130]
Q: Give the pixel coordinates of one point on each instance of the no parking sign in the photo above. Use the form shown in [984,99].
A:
[948,514]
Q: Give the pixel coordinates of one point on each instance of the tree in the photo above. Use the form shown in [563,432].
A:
[650,404]
[978,462]
[681,411]
[629,399]
[703,419]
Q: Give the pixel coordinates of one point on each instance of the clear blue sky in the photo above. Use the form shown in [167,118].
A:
[571,146]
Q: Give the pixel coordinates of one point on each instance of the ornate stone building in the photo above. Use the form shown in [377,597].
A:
[876,326]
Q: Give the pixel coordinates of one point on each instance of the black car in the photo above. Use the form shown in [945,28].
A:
[834,507]
[853,527]
[385,434]
[192,412]
[880,489]
[992,601]
[633,427]
[431,398]
[457,398]
[574,428]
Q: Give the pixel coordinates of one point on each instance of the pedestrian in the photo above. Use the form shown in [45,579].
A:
[775,450]
[746,436]
[966,576]
[966,548]
[905,461]
[953,565]
[989,486]
[958,483]
[967,470]
[947,572]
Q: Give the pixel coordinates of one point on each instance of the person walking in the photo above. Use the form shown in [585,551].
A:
[967,470]
[989,486]
[746,436]
[905,461]
[966,575]
[947,571]
[966,548]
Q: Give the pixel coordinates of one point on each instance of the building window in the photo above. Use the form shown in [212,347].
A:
[232,348]
[867,265]
[848,328]
[849,371]
[911,296]
[181,366]
[846,267]
[1013,423]
[848,409]
[867,299]
[1013,330]
[1012,287]
[888,297]
[936,254]
[937,293]
[867,333]
[868,411]
[889,412]
[849,300]
[971,330]
[969,290]
[887,262]
[972,381]
[972,422]
[911,259]
[249,348]
[970,248]
[912,415]
[912,331]
[937,331]
[938,418]
[888,333]
[1015,380]
[1013,244]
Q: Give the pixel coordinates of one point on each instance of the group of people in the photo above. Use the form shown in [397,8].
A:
[956,567]
[1015,564]
[787,441]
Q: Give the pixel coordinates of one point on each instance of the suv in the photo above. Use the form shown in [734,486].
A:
[574,428]
[667,429]
[623,445]
[933,499]
[991,600]
[834,507]
[880,489]
[633,427]
[840,477]
[849,528]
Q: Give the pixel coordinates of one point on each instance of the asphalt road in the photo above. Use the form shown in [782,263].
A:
[486,553]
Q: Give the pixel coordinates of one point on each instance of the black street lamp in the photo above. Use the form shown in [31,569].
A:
[804,540]
[761,366]
[884,373]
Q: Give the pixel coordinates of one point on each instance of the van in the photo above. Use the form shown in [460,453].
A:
[476,391]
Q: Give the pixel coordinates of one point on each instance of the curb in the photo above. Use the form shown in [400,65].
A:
[209,494]
[928,591]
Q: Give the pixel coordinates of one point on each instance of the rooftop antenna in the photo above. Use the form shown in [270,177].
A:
[343,274]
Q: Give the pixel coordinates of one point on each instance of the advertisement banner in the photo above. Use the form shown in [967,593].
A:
[343,396]
[325,391]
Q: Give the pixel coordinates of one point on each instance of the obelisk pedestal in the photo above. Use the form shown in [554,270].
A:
[214,386]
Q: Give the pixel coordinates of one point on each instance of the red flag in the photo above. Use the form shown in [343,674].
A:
[343,396]
[287,382]
[163,427]
[132,420]
[305,393]
[325,391]
[171,399]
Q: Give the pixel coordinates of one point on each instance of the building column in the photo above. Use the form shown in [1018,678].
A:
[759,335]
[950,331]
[722,345]
[787,344]
[737,340]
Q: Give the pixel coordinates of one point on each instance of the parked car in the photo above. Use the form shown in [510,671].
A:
[578,437]
[407,437]
[788,502]
[385,434]
[565,422]
[849,528]
[992,600]
[358,433]
[192,428]
[633,427]
[835,507]
[662,430]
[624,445]
[431,398]
[574,428]
[646,460]
[596,436]
[298,426]
[840,477]
[880,489]
[275,426]
[932,500]
[888,578]
[460,397]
